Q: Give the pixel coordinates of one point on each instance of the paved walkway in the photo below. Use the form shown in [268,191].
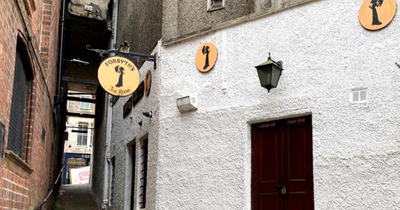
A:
[75,197]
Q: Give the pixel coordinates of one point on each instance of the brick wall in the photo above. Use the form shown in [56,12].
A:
[24,181]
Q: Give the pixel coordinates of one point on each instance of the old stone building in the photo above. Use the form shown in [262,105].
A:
[325,138]
[29,141]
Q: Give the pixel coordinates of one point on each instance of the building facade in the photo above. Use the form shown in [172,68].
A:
[78,145]
[29,145]
[325,138]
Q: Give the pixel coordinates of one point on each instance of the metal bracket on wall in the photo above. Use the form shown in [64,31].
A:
[104,53]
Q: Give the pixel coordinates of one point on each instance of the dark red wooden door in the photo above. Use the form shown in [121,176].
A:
[282,165]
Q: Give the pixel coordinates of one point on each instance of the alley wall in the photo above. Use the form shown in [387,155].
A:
[203,159]
[26,178]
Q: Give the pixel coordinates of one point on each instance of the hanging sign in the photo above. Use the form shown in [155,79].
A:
[376,14]
[147,83]
[206,57]
[138,94]
[127,108]
[118,76]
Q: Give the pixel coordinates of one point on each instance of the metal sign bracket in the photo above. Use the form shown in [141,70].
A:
[140,56]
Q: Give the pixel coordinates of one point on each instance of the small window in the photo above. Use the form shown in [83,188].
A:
[215,5]
[43,135]
[358,95]
[143,175]
[133,177]
[85,105]
[112,184]
[82,135]
[2,133]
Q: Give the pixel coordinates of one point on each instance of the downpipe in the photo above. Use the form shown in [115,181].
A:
[60,54]
[107,161]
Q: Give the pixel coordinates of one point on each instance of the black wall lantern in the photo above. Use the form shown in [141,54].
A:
[269,73]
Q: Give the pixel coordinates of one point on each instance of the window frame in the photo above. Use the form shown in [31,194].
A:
[23,67]
[85,105]
[211,7]
[81,135]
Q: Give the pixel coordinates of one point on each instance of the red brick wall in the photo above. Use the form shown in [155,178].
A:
[24,182]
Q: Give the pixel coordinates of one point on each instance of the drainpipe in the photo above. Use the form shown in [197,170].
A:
[60,54]
[106,201]
[107,159]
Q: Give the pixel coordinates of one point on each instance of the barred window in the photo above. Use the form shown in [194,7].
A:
[143,175]
[133,177]
[82,135]
[85,105]
[2,134]
[19,103]
[112,184]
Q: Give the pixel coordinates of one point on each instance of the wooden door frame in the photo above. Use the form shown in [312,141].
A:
[252,126]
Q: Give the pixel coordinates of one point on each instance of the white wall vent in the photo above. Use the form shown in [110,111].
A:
[358,95]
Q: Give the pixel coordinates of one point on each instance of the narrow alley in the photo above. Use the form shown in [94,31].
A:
[199,105]
[75,197]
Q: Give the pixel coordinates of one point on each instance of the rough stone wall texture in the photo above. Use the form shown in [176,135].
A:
[185,17]
[139,22]
[125,133]
[202,159]
[18,189]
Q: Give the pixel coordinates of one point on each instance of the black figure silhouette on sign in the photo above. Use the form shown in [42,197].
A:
[206,51]
[375,19]
[120,70]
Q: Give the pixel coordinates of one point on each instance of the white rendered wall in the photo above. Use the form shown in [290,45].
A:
[205,156]
[202,159]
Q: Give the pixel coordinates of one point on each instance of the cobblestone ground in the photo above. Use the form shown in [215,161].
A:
[75,197]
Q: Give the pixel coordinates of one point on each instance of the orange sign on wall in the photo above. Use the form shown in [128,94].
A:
[206,57]
[376,14]
[118,76]
[147,83]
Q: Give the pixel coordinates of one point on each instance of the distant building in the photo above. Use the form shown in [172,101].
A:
[78,146]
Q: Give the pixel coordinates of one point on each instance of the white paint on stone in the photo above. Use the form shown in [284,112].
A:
[202,159]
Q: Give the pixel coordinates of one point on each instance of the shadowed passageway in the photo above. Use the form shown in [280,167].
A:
[75,197]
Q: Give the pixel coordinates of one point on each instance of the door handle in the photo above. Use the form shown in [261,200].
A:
[281,188]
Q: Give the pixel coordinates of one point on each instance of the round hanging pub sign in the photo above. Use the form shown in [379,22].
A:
[118,76]
[376,14]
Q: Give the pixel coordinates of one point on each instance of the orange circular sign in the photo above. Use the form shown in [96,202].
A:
[376,14]
[206,57]
[118,76]
[147,83]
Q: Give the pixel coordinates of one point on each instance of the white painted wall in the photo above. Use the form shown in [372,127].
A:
[202,159]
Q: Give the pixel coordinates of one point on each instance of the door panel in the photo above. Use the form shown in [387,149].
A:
[270,201]
[268,164]
[282,156]
[269,157]
[296,153]
[297,201]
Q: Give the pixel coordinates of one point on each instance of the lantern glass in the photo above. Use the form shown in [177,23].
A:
[275,75]
[264,74]
[269,74]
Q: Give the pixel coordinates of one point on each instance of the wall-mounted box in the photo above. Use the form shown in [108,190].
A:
[187,103]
